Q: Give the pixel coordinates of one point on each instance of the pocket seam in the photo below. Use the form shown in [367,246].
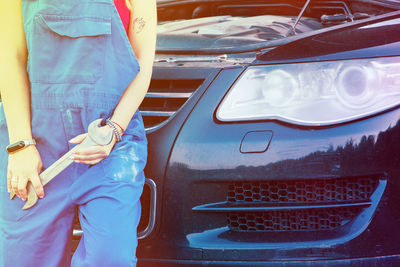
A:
[46,20]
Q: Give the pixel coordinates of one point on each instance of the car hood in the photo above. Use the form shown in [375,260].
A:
[392,3]
[227,32]
[211,33]
[384,2]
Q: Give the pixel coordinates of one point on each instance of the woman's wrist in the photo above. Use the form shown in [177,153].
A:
[121,122]
[29,151]
[20,145]
[118,131]
[18,135]
[120,128]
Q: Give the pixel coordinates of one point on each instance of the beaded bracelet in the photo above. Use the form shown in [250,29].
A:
[113,126]
[122,129]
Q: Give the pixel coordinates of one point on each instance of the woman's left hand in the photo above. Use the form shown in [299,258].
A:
[94,154]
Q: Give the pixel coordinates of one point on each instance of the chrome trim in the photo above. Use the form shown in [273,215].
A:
[158,113]
[77,232]
[168,95]
[152,218]
[156,127]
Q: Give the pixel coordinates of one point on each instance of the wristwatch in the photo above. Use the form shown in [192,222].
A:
[20,145]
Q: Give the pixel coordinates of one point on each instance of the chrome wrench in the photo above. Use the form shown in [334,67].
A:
[94,137]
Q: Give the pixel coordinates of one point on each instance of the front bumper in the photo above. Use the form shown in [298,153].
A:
[392,260]
[206,159]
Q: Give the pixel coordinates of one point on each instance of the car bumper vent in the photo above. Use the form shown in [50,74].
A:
[164,98]
[352,189]
[301,220]
[296,205]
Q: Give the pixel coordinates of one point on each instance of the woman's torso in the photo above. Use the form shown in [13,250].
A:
[80,62]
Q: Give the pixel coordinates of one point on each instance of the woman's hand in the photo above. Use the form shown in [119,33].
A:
[24,166]
[94,154]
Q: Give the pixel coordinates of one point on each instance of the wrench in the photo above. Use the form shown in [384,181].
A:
[94,137]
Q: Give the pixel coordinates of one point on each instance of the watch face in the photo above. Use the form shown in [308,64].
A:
[15,147]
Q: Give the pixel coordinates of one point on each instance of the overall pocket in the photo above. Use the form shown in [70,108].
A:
[68,49]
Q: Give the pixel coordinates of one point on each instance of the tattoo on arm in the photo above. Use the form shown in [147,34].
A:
[138,24]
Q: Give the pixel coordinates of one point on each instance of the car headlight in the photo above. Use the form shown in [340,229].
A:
[317,93]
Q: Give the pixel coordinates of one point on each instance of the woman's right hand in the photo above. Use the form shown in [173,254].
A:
[24,166]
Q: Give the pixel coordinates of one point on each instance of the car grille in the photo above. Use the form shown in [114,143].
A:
[303,191]
[165,97]
[298,205]
[302,220]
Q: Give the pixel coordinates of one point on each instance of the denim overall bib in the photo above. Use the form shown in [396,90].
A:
[80,62]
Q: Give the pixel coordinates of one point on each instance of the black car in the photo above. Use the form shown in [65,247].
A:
[274,134]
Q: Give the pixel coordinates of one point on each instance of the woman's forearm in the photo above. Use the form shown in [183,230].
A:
[23,166]
[16,102]
[142,35]
[132,98]
[14,83]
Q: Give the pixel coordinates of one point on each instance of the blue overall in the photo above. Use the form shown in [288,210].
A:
[80,62]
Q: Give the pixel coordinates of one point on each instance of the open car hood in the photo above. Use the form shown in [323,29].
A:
[227,32]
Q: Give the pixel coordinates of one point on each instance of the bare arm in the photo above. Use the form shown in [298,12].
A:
[14,88]
[142,36]
[14,81]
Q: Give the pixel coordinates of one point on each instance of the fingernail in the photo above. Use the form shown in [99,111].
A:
[41,197]
[71,140]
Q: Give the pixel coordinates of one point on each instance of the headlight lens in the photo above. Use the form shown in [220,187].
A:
[319,93]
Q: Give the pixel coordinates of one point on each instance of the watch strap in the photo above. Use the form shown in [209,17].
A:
[20,145]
